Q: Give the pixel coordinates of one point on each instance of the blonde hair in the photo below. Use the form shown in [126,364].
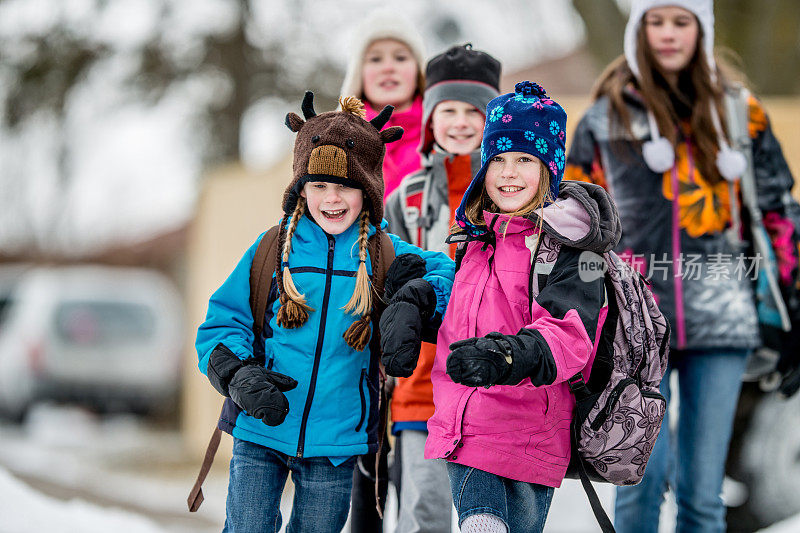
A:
[361,301]
[358,334]
[294,310]
[481,202]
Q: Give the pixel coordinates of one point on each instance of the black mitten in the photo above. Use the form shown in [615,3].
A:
[498,359]
[260,393]
[251,386]
[401,326]
[403,269]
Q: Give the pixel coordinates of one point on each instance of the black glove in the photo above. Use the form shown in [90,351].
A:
[403,269]
[251,386]
[498,359]
[401,326]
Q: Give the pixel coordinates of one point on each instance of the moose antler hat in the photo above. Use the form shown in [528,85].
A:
[340,147]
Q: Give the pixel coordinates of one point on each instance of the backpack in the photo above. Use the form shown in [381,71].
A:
[265,262]
[619,409]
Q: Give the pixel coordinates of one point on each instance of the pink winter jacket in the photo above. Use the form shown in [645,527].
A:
[402,157]
[522,431]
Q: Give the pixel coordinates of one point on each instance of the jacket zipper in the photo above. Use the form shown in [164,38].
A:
[318,352]
[677,281]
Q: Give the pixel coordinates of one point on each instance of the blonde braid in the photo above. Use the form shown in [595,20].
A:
[294,310]
[357,335]
[361,301]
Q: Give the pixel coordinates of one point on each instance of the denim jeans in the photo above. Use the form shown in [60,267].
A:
[522,506]
[692,459]
[257,477]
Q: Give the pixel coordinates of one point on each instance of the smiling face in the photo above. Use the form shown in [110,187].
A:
[512,180]
[333,206]
[457,126]
[672,35]
[389,74]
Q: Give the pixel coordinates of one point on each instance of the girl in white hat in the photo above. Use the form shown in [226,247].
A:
[663,136]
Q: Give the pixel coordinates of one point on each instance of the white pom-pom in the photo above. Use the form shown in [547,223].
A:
[731,163]
[658,154]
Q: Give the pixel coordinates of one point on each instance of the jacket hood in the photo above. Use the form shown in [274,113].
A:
[584,216]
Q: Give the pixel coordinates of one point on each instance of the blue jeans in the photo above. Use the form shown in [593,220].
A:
[522,506]
[257,477]
[692,459]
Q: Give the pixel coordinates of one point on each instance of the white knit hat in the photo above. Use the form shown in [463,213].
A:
[658,152]
[381,23]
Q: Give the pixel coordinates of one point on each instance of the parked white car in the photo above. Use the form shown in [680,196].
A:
[107,336]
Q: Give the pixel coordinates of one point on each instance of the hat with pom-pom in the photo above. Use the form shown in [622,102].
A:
[528,121]
[658,153]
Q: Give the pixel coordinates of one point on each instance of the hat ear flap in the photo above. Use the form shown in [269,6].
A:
[392,134]
[294,122]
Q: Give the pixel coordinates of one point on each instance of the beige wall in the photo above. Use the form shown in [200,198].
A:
[235,206]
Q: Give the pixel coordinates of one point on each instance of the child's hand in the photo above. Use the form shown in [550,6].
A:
[478,361]
[251,386]
[401,326]
[403,269]
[498,359]
[260,393]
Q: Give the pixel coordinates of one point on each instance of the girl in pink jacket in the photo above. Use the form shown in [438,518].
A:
[515,331]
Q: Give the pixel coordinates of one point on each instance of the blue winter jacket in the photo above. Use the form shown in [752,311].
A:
[333,410]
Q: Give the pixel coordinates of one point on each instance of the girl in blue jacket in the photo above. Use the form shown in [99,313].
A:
[310,405]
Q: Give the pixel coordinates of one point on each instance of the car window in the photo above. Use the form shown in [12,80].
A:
[87,323]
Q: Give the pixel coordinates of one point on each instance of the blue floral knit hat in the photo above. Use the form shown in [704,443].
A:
[526,120]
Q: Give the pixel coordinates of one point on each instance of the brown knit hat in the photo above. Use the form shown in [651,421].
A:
[340,147]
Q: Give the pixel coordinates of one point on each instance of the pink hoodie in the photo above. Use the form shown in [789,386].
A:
[522,431]
[402,157]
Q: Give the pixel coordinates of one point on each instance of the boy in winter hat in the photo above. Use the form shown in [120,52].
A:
[460,83]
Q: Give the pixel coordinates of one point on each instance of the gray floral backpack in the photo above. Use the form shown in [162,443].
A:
[619,408]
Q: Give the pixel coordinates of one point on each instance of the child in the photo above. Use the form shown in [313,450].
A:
[385,68]
[503,408]
[657,137]
[461,81]
[308,405]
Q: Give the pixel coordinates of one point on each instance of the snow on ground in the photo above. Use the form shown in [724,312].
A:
[25,510]
[67,470]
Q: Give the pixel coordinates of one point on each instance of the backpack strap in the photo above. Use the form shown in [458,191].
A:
[461,239]
[264,263]
[597,507]
[196,494]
